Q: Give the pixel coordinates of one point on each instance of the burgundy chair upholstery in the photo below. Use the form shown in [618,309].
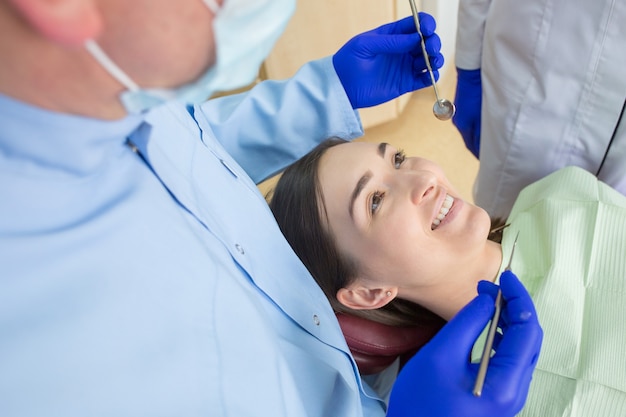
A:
[375,346]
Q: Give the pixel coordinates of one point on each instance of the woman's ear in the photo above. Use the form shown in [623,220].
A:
[68,22]
[359,297]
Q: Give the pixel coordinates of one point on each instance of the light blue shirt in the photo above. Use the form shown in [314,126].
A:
[157,283]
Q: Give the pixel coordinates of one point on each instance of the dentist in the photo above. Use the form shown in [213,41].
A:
[141,271]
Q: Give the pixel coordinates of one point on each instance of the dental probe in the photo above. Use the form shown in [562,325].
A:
[484,360]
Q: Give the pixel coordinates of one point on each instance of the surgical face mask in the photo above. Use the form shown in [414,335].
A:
[245,32]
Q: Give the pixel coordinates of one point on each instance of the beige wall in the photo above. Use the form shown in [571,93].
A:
[319,28]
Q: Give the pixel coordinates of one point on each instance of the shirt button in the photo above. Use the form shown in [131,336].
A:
[239,248]
[316,320]
[232,171]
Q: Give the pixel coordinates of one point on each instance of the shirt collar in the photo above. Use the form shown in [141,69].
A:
[75,144]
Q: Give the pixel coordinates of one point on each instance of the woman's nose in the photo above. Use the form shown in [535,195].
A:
[420,185]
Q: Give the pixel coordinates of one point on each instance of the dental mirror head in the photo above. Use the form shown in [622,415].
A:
[444,109]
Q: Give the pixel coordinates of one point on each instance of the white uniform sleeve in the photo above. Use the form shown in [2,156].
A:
[471,27]
[277,122]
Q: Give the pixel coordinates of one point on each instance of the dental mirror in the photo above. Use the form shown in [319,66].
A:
[443,109]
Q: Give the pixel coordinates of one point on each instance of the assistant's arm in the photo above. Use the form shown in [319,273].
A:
[438,381]
[469,47]
[470,31]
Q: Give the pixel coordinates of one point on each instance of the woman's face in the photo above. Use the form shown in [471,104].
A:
[399,218]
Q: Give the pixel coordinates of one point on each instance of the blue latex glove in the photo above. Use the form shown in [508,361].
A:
[438,381]
[468,99]
[384,63]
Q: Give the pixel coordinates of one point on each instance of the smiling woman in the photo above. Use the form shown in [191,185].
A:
[377,229]
[380,230]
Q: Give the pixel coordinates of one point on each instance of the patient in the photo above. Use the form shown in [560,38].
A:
[386,236]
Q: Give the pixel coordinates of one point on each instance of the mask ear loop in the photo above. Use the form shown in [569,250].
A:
[213,6]
[110,66]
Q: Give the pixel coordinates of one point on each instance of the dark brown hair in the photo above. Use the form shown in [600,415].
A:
[299,209]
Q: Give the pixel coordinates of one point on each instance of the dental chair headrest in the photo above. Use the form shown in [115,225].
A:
[375,346]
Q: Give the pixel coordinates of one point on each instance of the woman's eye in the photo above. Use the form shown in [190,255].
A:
[376,201]
[398,159]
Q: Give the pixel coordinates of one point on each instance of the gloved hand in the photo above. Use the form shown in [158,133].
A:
[468,99]
[439,379]
[384,63]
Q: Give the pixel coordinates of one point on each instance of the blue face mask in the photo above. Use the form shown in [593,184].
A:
[245,32]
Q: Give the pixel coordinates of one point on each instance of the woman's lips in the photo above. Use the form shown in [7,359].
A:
[446,212]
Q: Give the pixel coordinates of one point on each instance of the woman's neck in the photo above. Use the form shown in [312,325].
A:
[453,294]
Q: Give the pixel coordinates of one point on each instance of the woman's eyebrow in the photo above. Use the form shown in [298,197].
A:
[363,180]
[382,147]
[357,190]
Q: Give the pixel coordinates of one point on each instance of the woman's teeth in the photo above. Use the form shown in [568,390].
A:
[443,211]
